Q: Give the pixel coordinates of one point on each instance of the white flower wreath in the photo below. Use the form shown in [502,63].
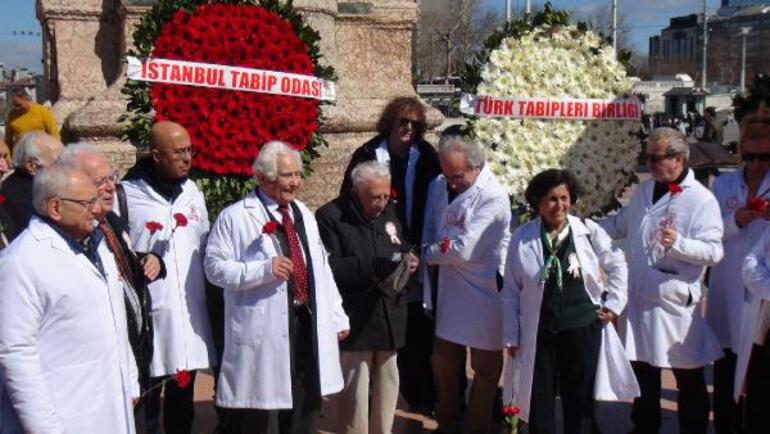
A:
[558,62]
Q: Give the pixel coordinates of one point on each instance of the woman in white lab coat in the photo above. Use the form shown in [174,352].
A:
[564,285]
[741,194]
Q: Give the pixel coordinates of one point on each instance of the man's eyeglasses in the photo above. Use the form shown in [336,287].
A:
[751,157]
[85,203]
[100,182]
[655,158]
[404,122]
[178,153]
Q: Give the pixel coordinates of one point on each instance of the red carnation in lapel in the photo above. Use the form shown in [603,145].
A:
[183,378]
[393,194]
[2,199]
[153,227]
[270,227]
[181,220]
[674,188]
[444,247]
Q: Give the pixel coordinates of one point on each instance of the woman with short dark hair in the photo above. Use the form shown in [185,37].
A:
[564,285]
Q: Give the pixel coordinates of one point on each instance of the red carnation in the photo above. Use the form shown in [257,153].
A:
[674,188]
[183,378]
[270,227]
[2,199]
[393,193]
[153,226]
[181,220]
[444,247]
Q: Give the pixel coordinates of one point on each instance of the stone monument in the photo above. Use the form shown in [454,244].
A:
[368,42]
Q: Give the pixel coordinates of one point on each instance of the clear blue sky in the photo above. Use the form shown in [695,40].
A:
[643,18]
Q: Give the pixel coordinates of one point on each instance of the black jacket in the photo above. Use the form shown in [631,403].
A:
[426,170]
[140,340]
[360,257]
[17,189]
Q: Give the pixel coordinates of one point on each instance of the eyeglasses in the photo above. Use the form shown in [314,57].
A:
[100,182]
[655,158]
[178,153]
[414,124]
[751,157]
[85,203]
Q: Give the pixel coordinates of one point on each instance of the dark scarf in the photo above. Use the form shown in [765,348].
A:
[144,170]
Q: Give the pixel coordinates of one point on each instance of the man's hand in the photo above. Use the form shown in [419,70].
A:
[668,237]
[282,267]
[512,351]
[341,336]
[606,315]
[150,266]
[414,262]
[744,216]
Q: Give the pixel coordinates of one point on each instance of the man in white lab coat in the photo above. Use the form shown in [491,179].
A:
[158,192]
[673,229]
[283,312]
[64,353]
[466,237]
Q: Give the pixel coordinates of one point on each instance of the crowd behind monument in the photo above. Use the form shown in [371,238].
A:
[418,268]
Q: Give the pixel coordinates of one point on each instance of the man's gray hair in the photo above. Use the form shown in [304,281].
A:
[74,150]
[369,171]
[27,149]
[52,181]
[474,153]
[266,162]
[676,141]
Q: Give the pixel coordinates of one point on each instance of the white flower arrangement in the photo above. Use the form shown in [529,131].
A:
[558,62]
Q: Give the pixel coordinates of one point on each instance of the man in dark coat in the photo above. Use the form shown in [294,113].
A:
[33,152]
[413,164]
[137,269]
[369,258]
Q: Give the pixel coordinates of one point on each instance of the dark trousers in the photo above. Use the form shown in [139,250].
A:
[416,375]
[727,413]
[692,400]
[302,418]
[758,392]
[565,364]
[178,406]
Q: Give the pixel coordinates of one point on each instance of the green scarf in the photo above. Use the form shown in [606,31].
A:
[552,262]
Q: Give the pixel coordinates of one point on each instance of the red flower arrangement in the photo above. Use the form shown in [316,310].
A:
[227,127]
[270,227]
[444,246]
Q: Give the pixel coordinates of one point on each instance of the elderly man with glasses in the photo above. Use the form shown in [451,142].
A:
[136,269]
[673,229]
[64,357]
[167,216]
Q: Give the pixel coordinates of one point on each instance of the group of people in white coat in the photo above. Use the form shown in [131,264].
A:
[577,317]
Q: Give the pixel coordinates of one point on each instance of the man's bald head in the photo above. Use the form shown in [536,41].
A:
[171,150]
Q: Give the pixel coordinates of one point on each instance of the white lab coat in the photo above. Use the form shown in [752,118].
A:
[523,296]
[477,225]
[756,276]
[255,370]
[726,295]
[662,324]
[64,352]
[183,339]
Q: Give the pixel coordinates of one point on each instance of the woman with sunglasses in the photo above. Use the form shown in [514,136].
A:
[413,163]
[743,197]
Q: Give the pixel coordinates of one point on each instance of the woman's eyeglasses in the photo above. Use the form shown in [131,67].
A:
[655,158]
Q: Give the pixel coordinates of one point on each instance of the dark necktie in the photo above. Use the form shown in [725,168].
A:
[124,269]
[297,260]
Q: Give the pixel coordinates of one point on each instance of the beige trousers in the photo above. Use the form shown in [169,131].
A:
[360,369]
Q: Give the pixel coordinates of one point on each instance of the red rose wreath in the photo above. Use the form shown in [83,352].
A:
[227,127]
